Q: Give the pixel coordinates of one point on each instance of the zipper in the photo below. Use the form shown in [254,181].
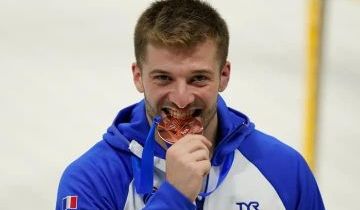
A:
[228,136]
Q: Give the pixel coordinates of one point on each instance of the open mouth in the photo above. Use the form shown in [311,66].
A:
[177,123]
[181,114]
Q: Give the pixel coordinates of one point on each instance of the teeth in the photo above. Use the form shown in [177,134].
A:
[181,114]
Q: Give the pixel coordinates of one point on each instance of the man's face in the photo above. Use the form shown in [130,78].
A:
[181,83]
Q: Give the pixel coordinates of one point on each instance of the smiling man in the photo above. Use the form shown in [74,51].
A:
[182,147]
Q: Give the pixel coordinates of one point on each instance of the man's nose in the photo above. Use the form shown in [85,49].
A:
[181,95]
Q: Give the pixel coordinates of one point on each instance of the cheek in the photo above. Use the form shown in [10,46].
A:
[209,95]
[155,96]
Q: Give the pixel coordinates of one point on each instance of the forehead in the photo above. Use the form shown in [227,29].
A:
[201,56]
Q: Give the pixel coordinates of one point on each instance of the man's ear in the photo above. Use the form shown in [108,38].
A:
[224,76]
[137,77]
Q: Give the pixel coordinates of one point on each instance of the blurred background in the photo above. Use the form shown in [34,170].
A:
[65,73]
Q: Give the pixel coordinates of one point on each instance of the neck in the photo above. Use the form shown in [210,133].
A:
[210,132]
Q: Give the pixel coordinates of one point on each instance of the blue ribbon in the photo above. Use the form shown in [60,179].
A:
[145,175]
[224,171]
[143,169]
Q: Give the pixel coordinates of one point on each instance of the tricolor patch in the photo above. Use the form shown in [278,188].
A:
[70,202]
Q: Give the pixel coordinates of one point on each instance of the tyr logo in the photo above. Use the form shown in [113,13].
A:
[252,205]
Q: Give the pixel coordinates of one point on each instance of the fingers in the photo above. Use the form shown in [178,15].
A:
[194,142]
[187,163]
[206,142]
[203,167]
[200,155]
[196,151]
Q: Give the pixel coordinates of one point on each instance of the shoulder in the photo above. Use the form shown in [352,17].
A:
[259,146]
[283,167]
[101,160]
[96,176]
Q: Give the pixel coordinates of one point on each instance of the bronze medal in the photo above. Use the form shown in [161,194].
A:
[171,129]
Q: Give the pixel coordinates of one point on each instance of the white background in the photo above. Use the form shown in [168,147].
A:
[65,73]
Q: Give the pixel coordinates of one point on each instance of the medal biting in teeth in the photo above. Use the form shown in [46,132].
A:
[171,129]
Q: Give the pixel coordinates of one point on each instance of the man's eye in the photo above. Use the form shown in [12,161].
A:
[162,78]
[199,78]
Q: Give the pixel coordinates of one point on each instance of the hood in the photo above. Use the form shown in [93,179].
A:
[131,124]
[233,127]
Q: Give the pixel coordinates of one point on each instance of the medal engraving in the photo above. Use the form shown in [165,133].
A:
[171,129]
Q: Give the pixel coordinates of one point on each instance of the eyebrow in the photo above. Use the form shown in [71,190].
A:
[158,71]
[202,71]
[197,71]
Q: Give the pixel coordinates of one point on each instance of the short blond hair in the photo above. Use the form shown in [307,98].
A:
[180,24]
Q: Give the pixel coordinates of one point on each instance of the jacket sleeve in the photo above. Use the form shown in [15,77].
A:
[168,197]
[285,169]
[80,183]
[97,183]
[310,197]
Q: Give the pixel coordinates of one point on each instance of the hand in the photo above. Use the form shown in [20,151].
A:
[187,163]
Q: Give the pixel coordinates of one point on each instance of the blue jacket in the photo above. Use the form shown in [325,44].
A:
[250,170]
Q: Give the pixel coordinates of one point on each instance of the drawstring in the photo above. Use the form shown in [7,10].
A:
[145,184]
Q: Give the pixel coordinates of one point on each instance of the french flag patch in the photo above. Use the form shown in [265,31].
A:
[70,202]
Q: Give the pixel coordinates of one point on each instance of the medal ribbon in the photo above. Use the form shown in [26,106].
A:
[143,169]
[145,175]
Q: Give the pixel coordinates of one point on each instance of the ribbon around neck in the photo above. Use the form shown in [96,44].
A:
[143,169]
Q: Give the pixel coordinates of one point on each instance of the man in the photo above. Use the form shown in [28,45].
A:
[182,147]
